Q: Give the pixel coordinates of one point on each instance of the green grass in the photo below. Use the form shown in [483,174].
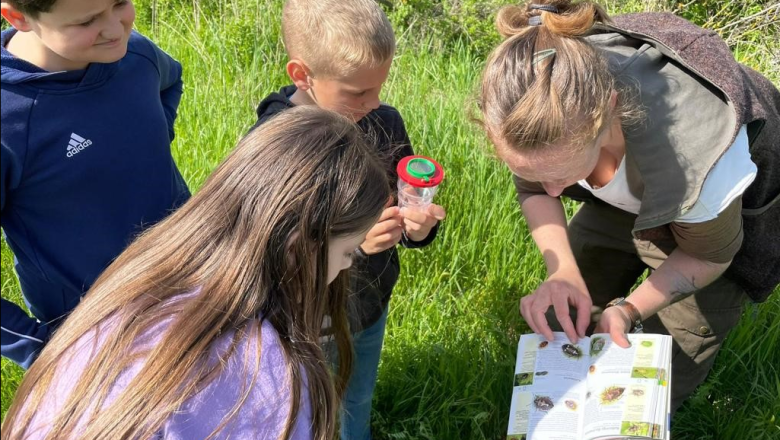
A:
[447,366]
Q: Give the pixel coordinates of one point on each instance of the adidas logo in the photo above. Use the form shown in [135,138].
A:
[76,144]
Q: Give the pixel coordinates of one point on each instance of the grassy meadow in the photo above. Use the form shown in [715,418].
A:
[447,365]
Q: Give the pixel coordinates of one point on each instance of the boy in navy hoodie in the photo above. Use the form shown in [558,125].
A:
[88,108]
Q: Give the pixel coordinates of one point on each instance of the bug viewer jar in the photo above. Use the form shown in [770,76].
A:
[418,178]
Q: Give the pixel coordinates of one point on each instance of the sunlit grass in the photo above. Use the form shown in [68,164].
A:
[452,333]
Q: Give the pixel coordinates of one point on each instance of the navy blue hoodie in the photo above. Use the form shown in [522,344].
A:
[86,165]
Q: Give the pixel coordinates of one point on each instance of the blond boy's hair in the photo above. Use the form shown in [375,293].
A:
[336,37]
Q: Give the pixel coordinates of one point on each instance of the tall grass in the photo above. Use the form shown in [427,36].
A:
[450,349]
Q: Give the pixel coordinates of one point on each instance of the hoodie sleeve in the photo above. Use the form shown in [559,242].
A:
[171,86]
[21,337]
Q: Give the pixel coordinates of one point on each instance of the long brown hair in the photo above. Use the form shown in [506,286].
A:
[545,83]
[307,173]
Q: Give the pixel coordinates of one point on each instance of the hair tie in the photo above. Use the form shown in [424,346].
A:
[541,56]
[548,8]
[536,20]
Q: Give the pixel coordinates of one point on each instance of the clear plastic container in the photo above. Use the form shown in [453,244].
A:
[413,197]
[418,179]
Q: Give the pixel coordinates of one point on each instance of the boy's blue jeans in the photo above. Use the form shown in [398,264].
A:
[356,407]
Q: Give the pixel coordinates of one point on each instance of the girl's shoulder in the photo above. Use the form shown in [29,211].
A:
[254,381]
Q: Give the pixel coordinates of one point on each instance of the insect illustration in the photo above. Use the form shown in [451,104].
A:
[635,428]
[644,373]
[611,395]
[596,345]
[522,379]
[543,403]
[571,351]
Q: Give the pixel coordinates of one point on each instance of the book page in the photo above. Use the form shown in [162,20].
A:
[549,389]
[624,387]
[664,403]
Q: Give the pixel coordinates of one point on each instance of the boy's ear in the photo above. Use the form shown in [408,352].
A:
[613,100]
[299,74]
[15,17]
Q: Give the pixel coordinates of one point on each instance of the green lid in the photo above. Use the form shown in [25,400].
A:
[421,168]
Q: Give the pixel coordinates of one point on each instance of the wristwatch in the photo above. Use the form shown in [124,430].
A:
[633,314]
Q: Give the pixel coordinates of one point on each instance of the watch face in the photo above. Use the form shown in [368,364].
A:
[615,302]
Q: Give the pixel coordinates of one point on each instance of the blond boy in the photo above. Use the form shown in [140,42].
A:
[340,53]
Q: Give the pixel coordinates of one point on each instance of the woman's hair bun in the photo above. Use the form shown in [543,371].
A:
[561,17]
[511,20]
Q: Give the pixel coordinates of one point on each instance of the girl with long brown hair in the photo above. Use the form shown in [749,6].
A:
[208,325]
[672,145]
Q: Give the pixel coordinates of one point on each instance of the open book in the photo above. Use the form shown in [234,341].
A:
[591,390]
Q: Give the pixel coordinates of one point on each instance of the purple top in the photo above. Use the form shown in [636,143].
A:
[262,416]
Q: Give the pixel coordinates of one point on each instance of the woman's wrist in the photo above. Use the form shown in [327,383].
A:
[647,301]
[626,318]
[630,313]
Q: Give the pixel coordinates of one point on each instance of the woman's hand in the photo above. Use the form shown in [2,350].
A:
[617,323]
[562,289]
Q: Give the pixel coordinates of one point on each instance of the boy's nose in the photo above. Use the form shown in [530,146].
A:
[117,23]
[114,30]
[372,104]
